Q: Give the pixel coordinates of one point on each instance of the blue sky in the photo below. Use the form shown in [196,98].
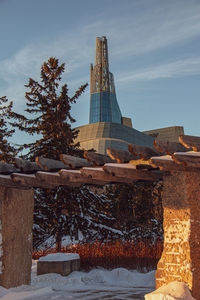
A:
[153,54]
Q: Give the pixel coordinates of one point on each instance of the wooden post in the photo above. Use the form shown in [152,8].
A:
[16,217]
[180,259]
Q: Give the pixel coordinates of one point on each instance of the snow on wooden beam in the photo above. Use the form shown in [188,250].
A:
[28,180]
[142,151]
[188,159]
[72,175]
[74,162]
[129,171]
[100,175]
[78,177]
[169,164]
[96,158]
[48,164]
[6,181]
[51,178]
[190,141]
[121,156]
[168,147]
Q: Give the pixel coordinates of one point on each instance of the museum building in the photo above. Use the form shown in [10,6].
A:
[107,127]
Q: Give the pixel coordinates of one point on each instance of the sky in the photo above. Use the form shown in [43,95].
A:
[153,53]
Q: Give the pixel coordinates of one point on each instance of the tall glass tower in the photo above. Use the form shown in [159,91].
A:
[103,101]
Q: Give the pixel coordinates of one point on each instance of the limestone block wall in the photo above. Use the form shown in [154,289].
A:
[170,134]
[16,217]
[102,135]
[180,260]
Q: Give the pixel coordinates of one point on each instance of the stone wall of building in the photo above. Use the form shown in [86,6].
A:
[180,260]
[170,134]
[100,136]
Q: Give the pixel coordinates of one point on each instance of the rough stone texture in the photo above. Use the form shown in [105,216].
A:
[16,215]
[63,268]
[180,260]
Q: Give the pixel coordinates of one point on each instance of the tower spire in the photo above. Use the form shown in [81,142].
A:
[103,102]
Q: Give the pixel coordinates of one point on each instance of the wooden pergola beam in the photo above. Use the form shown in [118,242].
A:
[29,180]
[121,156]
[142,151]
[48,164]
[96,158]
[74,162]
[7,168]
[169,164]
[26,166]
[6,181]
[51,178]
[168,147]
[129,171]
[99,174]
[188,159]
[190,141]
[79,177]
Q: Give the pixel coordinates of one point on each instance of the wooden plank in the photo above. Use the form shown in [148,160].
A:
[188,159]
[7,168]
[48,164]
[142,151]
[190,141]
[78,177]
[28,180]
[26,166]
[139,162]
[121,156]
[51,178]
[96,158]
[72,175]
[99,174]
[74,162]
[169,164]
[6,180]
[168,147]
[129,171]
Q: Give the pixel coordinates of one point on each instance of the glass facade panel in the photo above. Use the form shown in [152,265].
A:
[116,113]
[95,108]
[104,108]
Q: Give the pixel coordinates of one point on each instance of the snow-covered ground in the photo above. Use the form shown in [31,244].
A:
[97,284]
[173,291]
[118,284]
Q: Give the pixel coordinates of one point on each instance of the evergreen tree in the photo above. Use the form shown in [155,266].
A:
[62,210]
[7,151]
[137,209]
[78,211]
[48,108]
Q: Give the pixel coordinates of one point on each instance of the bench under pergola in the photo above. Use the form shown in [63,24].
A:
[177,164]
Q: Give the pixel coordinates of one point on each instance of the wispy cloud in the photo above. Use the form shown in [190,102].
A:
[187,67]
[15,70]
[142,29]
[158,27]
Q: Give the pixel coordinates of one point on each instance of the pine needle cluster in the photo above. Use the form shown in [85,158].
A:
[49,113]
[7,151]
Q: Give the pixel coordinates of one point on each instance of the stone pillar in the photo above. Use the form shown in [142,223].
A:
[16,217]
[180,260]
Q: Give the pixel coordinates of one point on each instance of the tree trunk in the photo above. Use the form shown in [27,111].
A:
[58,240]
